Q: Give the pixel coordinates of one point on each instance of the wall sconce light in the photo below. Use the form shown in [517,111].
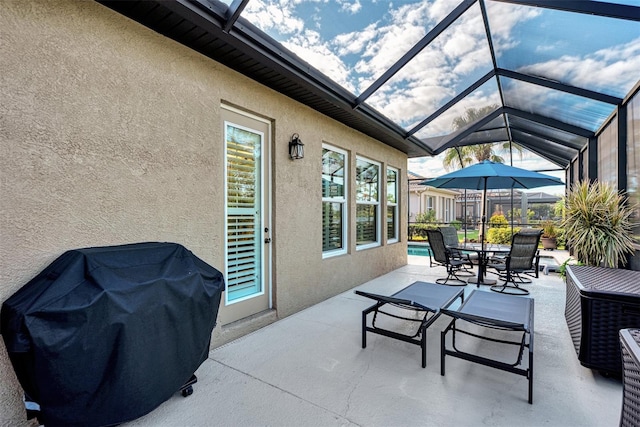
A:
[296,147]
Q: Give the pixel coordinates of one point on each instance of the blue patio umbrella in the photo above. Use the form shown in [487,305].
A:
[491,175]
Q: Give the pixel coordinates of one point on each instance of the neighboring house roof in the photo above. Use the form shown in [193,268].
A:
[525,92]
[497,195]
[415,185]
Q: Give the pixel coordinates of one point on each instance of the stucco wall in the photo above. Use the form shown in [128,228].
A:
[111,133]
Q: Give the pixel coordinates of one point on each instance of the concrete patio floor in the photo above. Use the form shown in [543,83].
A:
[309,370]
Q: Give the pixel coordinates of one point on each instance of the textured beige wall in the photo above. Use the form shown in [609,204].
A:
[111,133]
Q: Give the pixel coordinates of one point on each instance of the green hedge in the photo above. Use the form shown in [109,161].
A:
[418,231]
[501,236]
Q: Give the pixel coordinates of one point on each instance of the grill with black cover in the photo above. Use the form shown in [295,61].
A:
[104,335]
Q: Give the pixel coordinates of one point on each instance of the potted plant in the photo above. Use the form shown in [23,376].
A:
[549,235]
[597,226]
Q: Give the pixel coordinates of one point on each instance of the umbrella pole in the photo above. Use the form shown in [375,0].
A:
[464,215]
[484,212]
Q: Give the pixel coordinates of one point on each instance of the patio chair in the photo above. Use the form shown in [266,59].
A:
[534,272]
[520,260]
[442,255]
[508,313]
[536,262]
[424,299]
[450,236]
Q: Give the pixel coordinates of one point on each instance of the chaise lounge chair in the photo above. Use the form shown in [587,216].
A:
[499,312]
[421,297]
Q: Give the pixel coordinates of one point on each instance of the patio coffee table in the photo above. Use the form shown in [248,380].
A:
[422,297]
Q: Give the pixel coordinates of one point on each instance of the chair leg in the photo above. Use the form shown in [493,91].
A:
[466,271]
[509,289]
[451,277]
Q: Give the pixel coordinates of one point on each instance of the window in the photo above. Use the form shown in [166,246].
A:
[334,201]
[430,203]
[367,203]
[447,210]
[392,205]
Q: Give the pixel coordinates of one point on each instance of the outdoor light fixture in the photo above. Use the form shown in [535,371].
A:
[296,147]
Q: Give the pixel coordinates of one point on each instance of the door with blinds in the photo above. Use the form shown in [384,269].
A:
[247,222]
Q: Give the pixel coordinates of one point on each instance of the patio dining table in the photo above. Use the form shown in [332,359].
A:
[483,258]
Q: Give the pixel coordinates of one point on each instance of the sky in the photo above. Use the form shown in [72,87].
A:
[431,167]
[354,42]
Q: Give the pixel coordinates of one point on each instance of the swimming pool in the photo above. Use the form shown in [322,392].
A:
[420,249]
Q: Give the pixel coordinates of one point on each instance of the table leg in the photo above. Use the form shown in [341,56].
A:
[482,267]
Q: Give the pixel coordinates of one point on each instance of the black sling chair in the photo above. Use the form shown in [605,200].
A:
[450,236]
[442,255]
[521,259]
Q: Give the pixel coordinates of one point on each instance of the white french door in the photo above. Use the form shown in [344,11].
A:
[247,235]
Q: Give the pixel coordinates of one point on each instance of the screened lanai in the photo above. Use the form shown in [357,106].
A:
[553,82]
[544,75]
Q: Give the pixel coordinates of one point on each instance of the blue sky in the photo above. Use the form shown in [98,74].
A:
[355,41]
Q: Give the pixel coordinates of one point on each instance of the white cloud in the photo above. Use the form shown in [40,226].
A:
[309,46]
[274,15]
[419,88]
[350,7]
[615,67]
[443,124]
[434,75]
[356,41]
[503,19]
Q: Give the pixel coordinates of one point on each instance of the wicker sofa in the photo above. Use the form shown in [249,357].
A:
[599,303]
[630,347]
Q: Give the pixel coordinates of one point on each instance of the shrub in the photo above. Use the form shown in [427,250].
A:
[501,236]
[425,217]
[498,221]
[561,239]
[597,224]
[499,231]
[549,229]
[418,231]
[563,268]
[456,224]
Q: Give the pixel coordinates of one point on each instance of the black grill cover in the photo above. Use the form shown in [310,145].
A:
[105,335]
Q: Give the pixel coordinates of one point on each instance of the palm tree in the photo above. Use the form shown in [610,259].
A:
[459,157]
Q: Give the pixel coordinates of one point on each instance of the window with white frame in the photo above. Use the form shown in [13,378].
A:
[334,201]
[392,205]
[430,203]
[447,210]
[367,203]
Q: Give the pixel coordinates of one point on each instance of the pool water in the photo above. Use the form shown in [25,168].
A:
[420,250]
